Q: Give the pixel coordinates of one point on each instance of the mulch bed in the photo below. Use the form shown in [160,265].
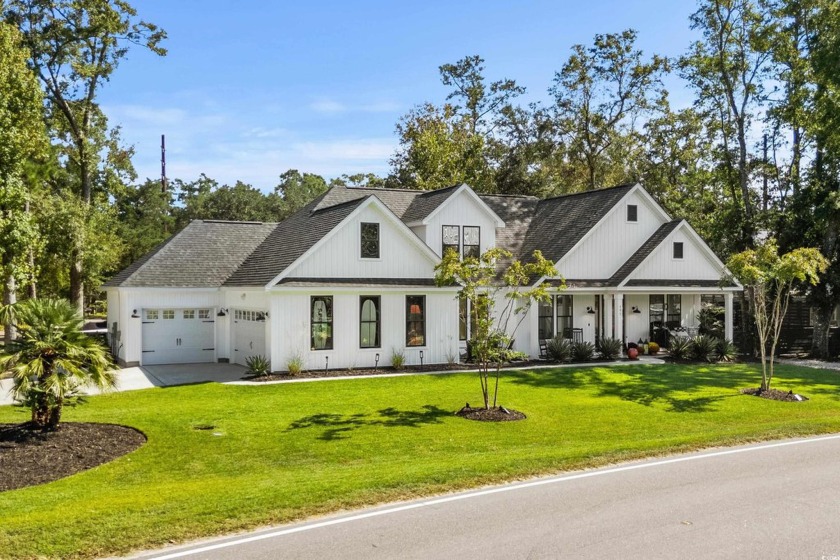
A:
[29,456]
[774,394]
[495,414]
[318,373]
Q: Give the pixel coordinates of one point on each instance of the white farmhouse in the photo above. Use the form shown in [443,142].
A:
[349,279]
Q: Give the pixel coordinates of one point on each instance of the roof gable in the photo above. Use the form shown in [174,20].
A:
[427,206]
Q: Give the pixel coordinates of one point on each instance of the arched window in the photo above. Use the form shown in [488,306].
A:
[322,322]
[369,322]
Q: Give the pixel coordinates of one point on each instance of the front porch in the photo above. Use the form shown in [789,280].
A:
[655,314]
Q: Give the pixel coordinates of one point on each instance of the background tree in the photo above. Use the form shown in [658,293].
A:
[75,46]
[599,96]
[146,218]
[768,280]
[52,359]
[23,141]
[483,286]
[297,189]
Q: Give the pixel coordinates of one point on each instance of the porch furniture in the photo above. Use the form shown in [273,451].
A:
[575,335]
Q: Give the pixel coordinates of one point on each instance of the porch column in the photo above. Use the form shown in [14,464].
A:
[608,313]
[727,316]
[618,322]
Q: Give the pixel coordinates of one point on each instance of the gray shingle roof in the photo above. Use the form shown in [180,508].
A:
[397,200]
[664,283]
[425,203]
[642,252]
[202,255]
[291,239]
[358,282]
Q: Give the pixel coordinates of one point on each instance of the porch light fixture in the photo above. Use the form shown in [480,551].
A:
[134,314]
[261,316]
[376,361]
[636,309]
[222,312]
[421,358]
[590,311]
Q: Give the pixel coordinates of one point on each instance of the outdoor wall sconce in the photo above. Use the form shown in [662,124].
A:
[376,361]
[134,315]
[266,315]
[590,311]
[636,309]
[421,358]
[222,312]
[261,316]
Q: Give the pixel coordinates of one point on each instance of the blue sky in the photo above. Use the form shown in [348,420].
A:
[252,88]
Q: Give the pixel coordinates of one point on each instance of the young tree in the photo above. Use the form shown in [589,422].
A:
[768,279]
[74,47]
[53,359]
[23,140]
[500,301]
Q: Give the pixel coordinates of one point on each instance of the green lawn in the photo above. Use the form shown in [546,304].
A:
[292,450]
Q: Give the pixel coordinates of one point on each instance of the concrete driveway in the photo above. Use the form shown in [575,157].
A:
[146,377]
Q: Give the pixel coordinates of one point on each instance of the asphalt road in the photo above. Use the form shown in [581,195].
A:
[776,500]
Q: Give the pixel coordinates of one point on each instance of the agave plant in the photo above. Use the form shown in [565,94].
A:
[704,348]
[52,359]
[559,349]
[610,348]
[726,350]
[582,351]
[680,348]
[258,365]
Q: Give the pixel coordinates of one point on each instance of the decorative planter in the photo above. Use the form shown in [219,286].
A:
[632,353]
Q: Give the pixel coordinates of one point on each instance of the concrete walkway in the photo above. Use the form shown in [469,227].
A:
[147,377]
[819,364]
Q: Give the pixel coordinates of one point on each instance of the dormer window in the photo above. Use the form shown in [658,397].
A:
[678,249]
[472,241]
[632,213]
[370,241]
[451,239]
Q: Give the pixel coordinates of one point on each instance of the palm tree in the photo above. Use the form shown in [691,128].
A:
[52,359]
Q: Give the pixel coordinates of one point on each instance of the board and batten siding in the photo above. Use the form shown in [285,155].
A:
[695,264]
[612,242]
[247,300]
[156,298]
[461,210]
[340,255]
[290,327]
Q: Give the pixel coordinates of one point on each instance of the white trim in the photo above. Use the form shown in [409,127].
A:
[463,188]
[368,201]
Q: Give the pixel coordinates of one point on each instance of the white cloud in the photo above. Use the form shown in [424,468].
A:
[327,106]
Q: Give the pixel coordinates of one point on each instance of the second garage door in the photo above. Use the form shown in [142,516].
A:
[248,335]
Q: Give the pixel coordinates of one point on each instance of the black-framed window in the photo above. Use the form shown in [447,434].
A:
[370,322]
[472,241]
[657,310]
[415,320]
[563,305]
[451,238]
[674,310]
[678,249]
[321,314]
[463,313]
[545,319]
[370,240]
[632,213]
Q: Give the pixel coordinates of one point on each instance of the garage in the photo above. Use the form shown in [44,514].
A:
[248,335]
[178,336]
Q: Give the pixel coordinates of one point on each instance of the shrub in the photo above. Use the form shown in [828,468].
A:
[559,349]
[295,364]
[680,348]
[704,348]
[397,359]
[726,351]
[582,351]
[610,348]
[653,348]
[258,365]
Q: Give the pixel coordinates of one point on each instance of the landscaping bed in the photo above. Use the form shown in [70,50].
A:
[355,372]
[29,456]
[774,394]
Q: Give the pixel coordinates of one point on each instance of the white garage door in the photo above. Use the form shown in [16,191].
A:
[248,335]
[178,336]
